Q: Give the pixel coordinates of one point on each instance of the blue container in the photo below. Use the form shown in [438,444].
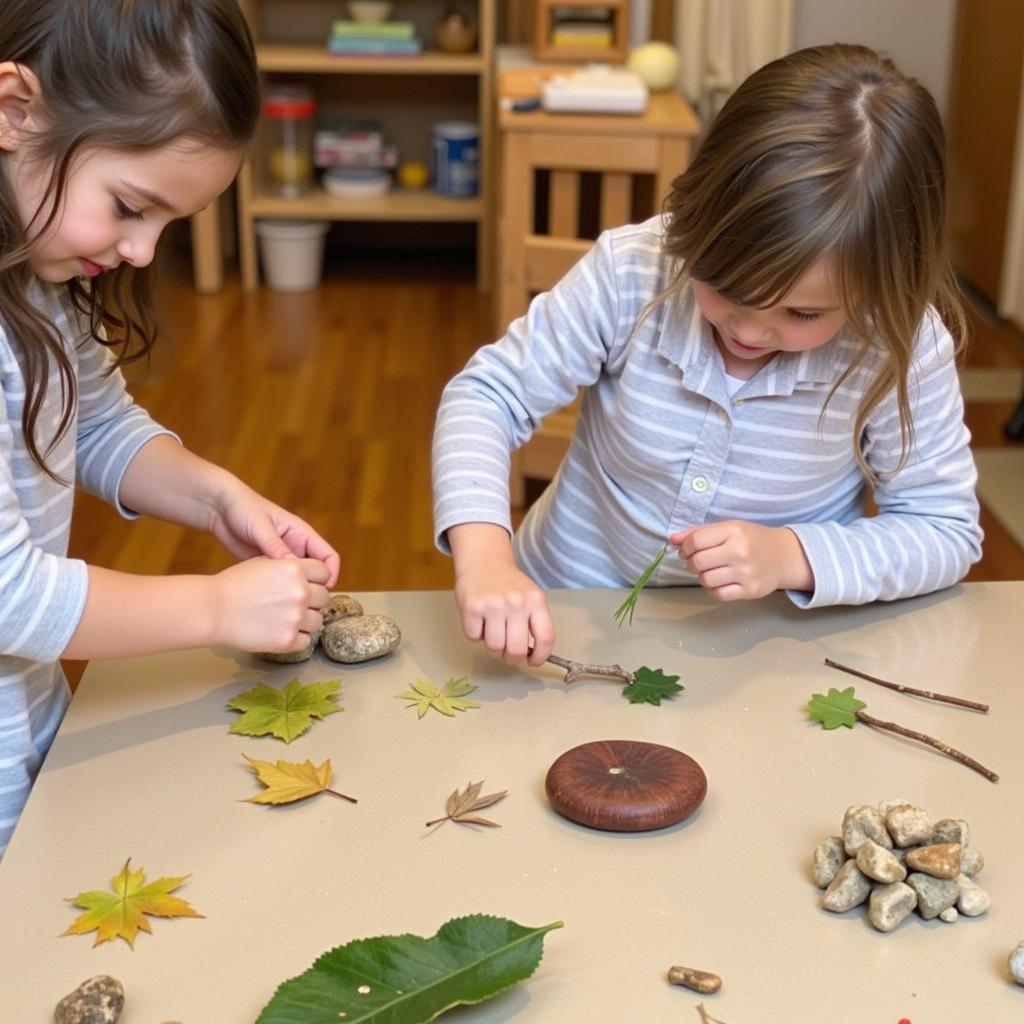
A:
[455,149]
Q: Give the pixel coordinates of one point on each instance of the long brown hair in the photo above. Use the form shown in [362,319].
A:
[129,75]
[828,152]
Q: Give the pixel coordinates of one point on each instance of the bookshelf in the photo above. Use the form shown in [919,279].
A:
[544,21]
[406,93]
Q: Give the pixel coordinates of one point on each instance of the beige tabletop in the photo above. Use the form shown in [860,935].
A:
[144,767]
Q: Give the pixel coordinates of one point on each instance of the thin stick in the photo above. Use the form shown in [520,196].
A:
[706,1017]
[575,669]
[944,748]
[334,792]
[945,698]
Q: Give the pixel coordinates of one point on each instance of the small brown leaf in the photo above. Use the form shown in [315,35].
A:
[460,806]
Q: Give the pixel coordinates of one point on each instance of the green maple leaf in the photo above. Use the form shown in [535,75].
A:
[406,979]
[838,708]
[650,685]
[424,695]
[284,713]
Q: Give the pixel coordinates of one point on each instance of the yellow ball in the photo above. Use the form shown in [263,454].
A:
[413,174]
[657,64]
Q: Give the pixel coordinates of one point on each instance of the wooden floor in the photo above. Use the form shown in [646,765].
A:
[325,402]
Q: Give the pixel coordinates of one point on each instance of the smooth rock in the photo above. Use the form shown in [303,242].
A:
[887,805]
[971,899]
[949,915]
[890,904]
[340,606]
[98,1000]
[1016,962]
[848,889]
[360,638]
[940,861]
[934,895]
[908,825]
[971,861]
[878,863]
[690,977]
[291,657]
[950,830]
[828,859]
[860,823]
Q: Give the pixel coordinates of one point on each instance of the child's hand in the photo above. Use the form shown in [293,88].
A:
[247,524]
[266,604]
[737,561]
[502,606]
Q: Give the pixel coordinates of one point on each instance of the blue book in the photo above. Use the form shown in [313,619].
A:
[374,30]
[375,47]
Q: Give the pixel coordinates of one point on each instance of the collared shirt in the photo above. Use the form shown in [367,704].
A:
[660,445]
[43,591]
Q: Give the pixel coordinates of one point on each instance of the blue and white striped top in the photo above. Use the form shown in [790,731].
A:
[660,446]
[42,592]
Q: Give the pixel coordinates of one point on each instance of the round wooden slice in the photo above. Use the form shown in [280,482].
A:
[625,785]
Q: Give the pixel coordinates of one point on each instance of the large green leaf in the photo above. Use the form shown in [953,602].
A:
[284,713]
[838,708]
[406,979]
[650,685]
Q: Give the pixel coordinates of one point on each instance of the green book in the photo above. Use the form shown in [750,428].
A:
[373,30]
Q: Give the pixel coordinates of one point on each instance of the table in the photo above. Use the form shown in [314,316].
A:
[144,767]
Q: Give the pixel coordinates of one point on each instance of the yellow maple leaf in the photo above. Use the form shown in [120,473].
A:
[121,913]
[287,781]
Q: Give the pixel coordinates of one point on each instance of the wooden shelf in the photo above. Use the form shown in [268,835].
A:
[400,204]
[312,59]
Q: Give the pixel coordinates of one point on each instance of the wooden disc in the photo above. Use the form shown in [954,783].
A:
[625,785]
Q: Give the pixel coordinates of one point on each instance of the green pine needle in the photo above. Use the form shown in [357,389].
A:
[625,610]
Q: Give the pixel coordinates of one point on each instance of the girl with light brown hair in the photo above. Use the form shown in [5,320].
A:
[777,345]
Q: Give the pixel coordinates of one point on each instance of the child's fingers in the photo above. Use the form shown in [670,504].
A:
[494,633]
[543,631]
[730,592]
[675,539]
[317,595]
[701,537]
[314,570]
[708,558]
[266,538]
[716,579]
[516,639]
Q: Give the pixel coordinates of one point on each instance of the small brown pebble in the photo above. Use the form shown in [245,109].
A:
[690,977]
[340,606]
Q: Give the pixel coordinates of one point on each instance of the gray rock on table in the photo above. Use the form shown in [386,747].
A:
[934,895]
[862,822]
[971,899]
[98,1000]
[890,904]
[341,606]
[879,863]
[908,825]
[971,861]
[828,859]
[360,638]
[850,888]
[949,830]
[1016,964]
[293,657]
[949,915]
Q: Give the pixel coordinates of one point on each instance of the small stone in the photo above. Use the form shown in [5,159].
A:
[887,805]
[340,606]
[848,889]
[940,861]
[949,915]
[934,895]
[291,657]
[971,899]
[890,904]
[828,859]
[878,863]
[360,638]
[1016,962]
[950,830]
[908,825]
[971,861]
[690,977]
[861,823]
[99,1000]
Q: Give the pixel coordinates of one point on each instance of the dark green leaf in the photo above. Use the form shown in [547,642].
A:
[651,684]
[406,979]
[838,708]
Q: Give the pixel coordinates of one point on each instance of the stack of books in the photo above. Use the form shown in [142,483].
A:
[354,144]
[577,27]
[374,39]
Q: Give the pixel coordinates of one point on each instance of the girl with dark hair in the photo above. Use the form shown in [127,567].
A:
[777,344]
[116,117]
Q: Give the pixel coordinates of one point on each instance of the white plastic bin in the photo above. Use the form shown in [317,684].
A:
[293,253]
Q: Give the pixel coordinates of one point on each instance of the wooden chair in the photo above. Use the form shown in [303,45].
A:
[548,164]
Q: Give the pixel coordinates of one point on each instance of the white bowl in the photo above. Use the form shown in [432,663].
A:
[370,11]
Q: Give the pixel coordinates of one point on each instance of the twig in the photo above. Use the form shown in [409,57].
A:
[944,748]
[334,792]
[945,698]
[706,1017]
[575,669]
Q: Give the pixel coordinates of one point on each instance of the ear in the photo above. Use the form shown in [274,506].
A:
[19,103]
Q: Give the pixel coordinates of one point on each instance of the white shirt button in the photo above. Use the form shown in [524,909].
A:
[700,484]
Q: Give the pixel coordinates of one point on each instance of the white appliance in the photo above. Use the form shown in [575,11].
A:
[595,90]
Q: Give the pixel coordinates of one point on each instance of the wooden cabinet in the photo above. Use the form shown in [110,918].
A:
[407,94]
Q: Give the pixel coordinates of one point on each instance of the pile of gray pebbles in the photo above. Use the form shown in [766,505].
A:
[898,860]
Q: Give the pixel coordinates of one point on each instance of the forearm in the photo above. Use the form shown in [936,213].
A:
[476,543]
[167,481]
[128,615]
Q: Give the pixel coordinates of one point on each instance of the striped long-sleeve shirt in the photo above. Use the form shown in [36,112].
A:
[660,445]
[43,592]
